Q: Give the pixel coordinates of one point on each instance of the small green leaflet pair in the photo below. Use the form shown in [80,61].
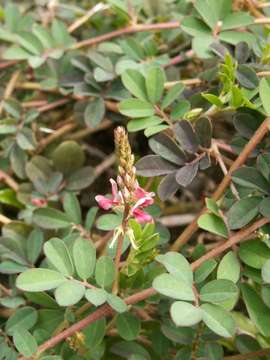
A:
[31,41]
[66,266]
[214,21]
[218,297]
[147,108]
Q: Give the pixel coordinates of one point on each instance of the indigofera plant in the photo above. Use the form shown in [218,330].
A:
[134,180]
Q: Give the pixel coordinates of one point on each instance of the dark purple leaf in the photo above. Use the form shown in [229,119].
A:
[242,52]
[154,165]
[203,129]
[186,136]
[167,187]
[247,77]
[219,49]
[187,173]
[205,162]
[164,146]
[246,124]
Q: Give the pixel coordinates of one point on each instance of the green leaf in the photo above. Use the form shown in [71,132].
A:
[264,90]
[94,112]
[16,53]
[177,265]
[25,139]
[185,314]
[60,34]
[218,291]
[237,20]
[195,27]
[204,270]
[25,317]
[105,271]
[212,206]
[39,280]
[229,267]
[136,108]
[58,254]
[213,99]
[266,271]
[90,217]
[69,293]
[96,296]
[9,197]
[169,285]
[13,107]
[208,10]
[128,326]
[109,222]
[180,109]
[251,178]
[80,179]
[257,310]
[48,218]
[25,343]
[154,82]
[218,320]
[144,123]
[116,303]
[213,224]
[172,95]
[155,130]
[43,35]
[243,211]
[94,333]
[68,157]
[84,256]
[72,207]
[254,253]
[265,207]
[134,81]
[30,42]
[34,245]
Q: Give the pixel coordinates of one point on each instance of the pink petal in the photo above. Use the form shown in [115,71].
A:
[141,193]
[141,216]
[143,202]
[104,202]
[114,188]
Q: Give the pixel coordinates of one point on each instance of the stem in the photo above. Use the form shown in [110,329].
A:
[9,181]
[128,30]
[4,220]
[224,169]
[105,310]
[10,87]
[250,355]
[236,238]
[55,135]
[240,160]
[119,248]
[98,7]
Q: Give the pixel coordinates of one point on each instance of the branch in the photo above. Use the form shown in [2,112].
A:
[105,310]
[9,181]
[128,30]
[250,355]
[240,160]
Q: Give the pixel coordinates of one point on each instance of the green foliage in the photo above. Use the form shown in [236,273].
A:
[189,80]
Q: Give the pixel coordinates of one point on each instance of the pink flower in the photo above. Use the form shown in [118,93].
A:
[141,216]
[107,203]
[142,200]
